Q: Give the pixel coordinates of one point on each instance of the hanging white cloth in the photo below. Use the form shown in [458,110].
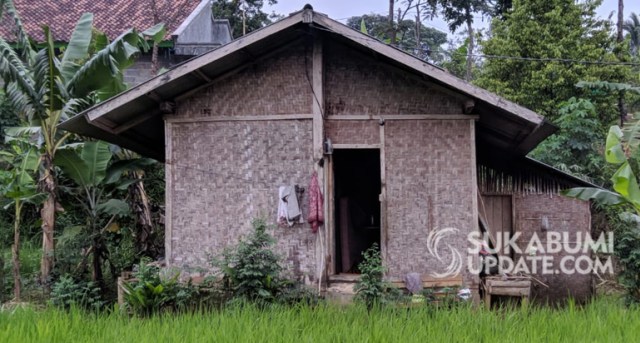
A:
[289,211]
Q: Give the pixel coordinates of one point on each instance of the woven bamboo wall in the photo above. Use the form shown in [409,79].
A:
[358,84]
[225,174]
[563,215]
[352,131]
[429,186]
[276,85]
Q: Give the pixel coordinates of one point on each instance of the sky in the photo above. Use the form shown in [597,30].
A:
[343,9]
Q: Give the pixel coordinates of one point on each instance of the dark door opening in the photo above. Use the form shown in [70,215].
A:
[357,205]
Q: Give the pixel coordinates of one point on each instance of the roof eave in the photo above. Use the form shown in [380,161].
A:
[539,128]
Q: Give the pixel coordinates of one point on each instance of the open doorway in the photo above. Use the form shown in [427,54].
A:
[357,205]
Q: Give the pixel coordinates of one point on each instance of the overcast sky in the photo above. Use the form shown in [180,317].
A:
[342,9]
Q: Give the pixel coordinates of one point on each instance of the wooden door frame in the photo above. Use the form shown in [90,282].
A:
[331,204]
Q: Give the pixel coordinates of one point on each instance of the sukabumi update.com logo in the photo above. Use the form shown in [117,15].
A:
[551,253]
[438,244]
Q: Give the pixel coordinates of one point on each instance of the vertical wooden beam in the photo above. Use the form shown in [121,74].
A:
[168,193]
[317,99]
[475,279]
[330,217]
[384,235]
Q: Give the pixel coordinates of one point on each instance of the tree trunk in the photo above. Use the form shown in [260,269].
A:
[620,38]
[142,211]
[96,272]
[392,29]
[468,74]
[47,185]
[15,252]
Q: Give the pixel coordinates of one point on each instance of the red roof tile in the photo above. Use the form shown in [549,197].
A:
[110,16]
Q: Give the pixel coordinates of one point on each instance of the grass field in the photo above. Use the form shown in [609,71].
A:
[602,321]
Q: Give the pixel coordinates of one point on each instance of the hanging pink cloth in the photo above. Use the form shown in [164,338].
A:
[316,204]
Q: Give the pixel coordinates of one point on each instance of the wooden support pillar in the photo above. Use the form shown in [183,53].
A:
[317,100]
[384,235]
[474,283]
[168,170]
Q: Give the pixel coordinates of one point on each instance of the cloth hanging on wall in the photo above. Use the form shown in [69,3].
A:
[316,204]
[288,208]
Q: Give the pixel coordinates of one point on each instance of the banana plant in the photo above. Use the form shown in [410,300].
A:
[18,188]
[46,87]
[96,183]
[620,150]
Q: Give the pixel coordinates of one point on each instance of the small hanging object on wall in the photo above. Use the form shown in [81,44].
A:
[328,147]
[316,204]
[289,212]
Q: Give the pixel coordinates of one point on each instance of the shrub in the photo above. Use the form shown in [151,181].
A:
[251,270]
[150,293]
[371,289]
[67,293]
[296,294]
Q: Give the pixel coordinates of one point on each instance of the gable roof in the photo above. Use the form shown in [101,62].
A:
[110,16]
[132,119]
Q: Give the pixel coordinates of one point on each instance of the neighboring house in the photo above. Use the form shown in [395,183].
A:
[402,148]
[191,29]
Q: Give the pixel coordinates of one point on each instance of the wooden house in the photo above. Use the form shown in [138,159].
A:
[401,148]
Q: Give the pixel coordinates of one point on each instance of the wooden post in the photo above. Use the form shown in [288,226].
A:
[317,74]
[168,170]
[383,197]
[475,279]
[317,100]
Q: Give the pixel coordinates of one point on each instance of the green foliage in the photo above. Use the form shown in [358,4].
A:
[627,248]
[251,269]
[255,18]
[377,26]
[622,152]
[632,27]
[151,293]
[371,289]
[67,293]
[45,86]
[601,320]
[458,12]
[97,185]
[555,29]
[576,146]
[7,117]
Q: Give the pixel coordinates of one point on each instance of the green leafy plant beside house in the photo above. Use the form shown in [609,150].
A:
[97,184]
[251,270]
[45,85]
[18,188]
[623,153]
[371,289]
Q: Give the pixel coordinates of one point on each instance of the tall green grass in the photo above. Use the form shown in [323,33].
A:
[601,321]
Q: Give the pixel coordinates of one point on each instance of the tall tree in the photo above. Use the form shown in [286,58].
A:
[541,43]
[458,13]
[620,38]
[244,15]
[620,24]
[391,26]
[501,7]
[45,88]
[18,187]
[632,26]
[430,39]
